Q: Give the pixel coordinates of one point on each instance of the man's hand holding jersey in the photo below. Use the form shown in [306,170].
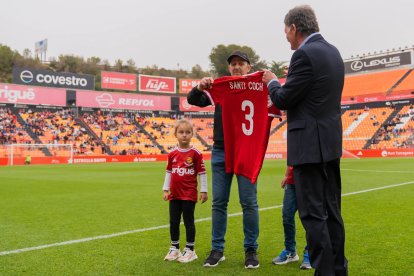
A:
[205,83]
[268,76]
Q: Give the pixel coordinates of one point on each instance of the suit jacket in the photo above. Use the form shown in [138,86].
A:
[312,98]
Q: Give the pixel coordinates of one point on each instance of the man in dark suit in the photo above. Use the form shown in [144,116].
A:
[312,98]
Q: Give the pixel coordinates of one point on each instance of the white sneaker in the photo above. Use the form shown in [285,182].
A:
[187,256]
[173,254]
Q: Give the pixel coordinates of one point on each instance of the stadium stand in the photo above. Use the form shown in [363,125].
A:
[120,132]
[204,129]
[12,132]
[373,83]
[397,132]
[60,127]
[406,86]
[277,139]
[369,127]
[361,124]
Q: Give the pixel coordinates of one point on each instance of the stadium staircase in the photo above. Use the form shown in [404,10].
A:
[403,122]
[140,127]
[91,133]
[205,144]
[278,127]
[398,82]
[392,115]
[355,123]
[30,132]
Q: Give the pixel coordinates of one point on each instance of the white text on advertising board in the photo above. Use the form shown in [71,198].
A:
[13,95]
[157,85]
[358,64]
[27,77]
[138,102]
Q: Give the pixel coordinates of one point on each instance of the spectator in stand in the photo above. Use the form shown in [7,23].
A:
[103,149]
[114,140]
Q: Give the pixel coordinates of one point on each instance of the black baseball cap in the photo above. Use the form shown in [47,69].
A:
[239,54]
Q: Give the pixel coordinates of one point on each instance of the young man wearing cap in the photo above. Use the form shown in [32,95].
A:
[239,64]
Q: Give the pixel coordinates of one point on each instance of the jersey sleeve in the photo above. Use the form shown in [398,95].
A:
[198,98]
[201,169]
[167,182]
[216,92]
[169,164]
[272,110]
[289,175]
[213,95]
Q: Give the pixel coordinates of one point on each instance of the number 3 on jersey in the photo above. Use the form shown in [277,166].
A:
[248,116]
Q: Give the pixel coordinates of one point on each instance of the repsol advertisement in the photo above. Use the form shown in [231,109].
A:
[379,62]
[29,76]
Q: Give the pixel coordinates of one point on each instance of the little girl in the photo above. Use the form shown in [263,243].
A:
[180,188]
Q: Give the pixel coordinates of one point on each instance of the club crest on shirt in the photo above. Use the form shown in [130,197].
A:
[188,162]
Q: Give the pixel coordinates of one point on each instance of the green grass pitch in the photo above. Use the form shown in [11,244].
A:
[66,204]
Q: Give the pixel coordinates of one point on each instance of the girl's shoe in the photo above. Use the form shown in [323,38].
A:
[187,256]
[173,254]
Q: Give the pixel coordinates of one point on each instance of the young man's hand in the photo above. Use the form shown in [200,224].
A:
[283,183]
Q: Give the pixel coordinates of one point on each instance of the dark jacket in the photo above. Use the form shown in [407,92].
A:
[199,98]
[312,98]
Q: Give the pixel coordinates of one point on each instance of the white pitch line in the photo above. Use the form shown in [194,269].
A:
[167,225]
[379,188]
[377,171]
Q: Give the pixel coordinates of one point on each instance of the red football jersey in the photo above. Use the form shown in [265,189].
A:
[289,176]
[247,116]
[184,166]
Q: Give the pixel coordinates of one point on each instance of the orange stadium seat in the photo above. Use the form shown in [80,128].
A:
[357,137]
[406,86]
[372,83]
[277,140]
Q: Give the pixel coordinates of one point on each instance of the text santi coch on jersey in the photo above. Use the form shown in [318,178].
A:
[257,86]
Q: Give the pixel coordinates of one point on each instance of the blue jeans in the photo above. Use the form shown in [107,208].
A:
[221,194]
[288,216]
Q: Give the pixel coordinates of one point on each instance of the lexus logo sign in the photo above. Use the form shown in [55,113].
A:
[378,62]
[357,65]
[366,64]
[26,76]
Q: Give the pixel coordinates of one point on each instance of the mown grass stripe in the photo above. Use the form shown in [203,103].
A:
[166,226]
